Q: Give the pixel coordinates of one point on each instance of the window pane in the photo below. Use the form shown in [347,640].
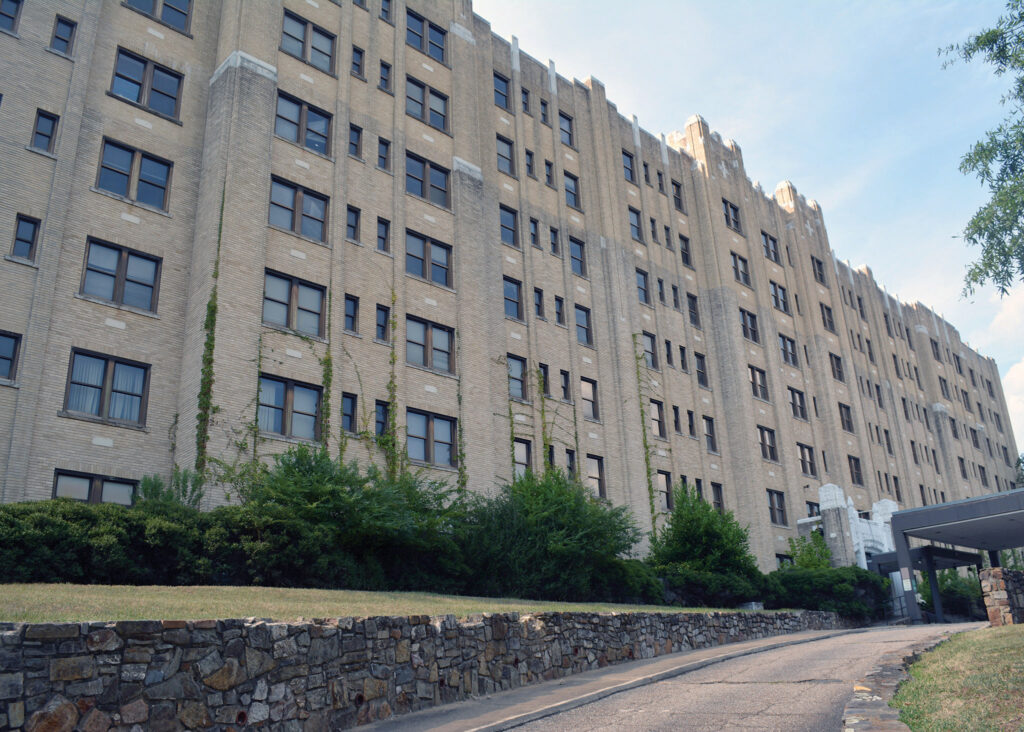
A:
[317,127]
[164,96]
[117,164]
[294,35]
[303,426]
[153,176]
[314,210]
[115,492]
[175,13]
[73,486]
[128,77]
[321,51]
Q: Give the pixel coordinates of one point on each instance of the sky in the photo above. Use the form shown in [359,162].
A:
[848,100]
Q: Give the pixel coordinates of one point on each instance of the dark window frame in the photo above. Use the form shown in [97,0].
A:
[160,18]
[121,275]
[303,129]
[106,389]
[294,283]
[431,267]
[134,177]
[96,484]
[288,408]
[309,29]
[300,193]
[60,23]
[427,182]
[33,245]
[12,368]
[145,84]
[429,439]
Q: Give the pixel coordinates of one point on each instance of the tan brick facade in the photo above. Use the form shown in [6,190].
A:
[234,61]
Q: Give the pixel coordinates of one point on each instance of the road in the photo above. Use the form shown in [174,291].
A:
[799,687]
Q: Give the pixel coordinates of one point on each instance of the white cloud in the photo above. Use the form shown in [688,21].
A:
[1013,387]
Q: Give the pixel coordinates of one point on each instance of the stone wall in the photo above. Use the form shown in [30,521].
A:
[1003,590]
[324,674]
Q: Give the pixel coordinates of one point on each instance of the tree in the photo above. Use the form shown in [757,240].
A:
[998,159]
[810,553]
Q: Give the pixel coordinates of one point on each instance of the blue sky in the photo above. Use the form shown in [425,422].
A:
[849,101]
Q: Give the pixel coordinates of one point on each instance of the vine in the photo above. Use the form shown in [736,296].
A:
[327,365]
[638,357]
[205,398]
[460,460]
[545,436]
[394,459]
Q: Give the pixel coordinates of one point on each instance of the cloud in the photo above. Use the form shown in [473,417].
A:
[1013,387]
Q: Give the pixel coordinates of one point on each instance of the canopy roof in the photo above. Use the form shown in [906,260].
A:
[991,522]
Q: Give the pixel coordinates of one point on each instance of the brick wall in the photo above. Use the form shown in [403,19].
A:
[1003,590]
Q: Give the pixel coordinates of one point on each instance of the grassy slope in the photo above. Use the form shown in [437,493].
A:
[974,681]
[54,602]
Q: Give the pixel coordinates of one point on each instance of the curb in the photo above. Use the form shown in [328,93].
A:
[584,699]
[868,708]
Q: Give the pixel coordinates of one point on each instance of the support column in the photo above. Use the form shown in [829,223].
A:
[906,575]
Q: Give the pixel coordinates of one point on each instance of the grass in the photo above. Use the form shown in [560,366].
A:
[974,681]
[36,603]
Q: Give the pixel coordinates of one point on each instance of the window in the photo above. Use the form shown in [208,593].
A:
[628,167]
[732,215]
[385,77]
[588,390]
[771,247]
[766,438]
[26,236]
[787,347]
[426,104]
[559,310]
[701,367]
[693,308]
[780,299]
[647,174]
[677,195]
[740,268]
[521,457]
[818,268]
[121,276]
[684,251]
[63,38]
[983,475]
[663,485]
[642,287]
[656,413]
[430,438]
[584,332]
[836,362]
[826,318]
[682,359]
[349,420]
[516,376]
[572,191]
[501,91]
[635,229]
[777,507]
[797,403]
[566,391]
[383,235]
[748,322]
[526,100]
[675,297]
[509,224]
[174,13]
[530,167]
[565,128]
[383,329]
[426,179]
[9,345]
[357,61]
[650,346]
[506,156]
[308,42]
[513,298]
[538,302]
[544,112]
[106,387]
[846,417]
[429,345]
[352,224]
[93,488]
[383,154]
[385,10]
[654,230]
[668,352]
[298,122]
[570,461]
[352,313]
[578,257]
[9,12]
[691,427]
[428,259]
[709,434]
[134,175]
[661,182]
[677,422]
[758,382]
[355,141]
[545,381]
[856,477]
[555,247]
[595,475]
[535,233]
[807,466]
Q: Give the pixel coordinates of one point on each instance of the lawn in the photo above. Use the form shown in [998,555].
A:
[974,681]
[55,602]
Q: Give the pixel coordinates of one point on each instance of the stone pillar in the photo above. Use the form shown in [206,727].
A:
[1003,592]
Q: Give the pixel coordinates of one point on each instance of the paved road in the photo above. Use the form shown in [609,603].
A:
[799,687]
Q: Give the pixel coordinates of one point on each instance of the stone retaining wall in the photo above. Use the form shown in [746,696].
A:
[1003,590]
[324,674]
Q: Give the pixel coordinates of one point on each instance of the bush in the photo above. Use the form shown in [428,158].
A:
[694,588]
[852,592]
[545,536]
[960,595]
[810,553]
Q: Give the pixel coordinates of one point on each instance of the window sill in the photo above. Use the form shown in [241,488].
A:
[55,52]
[116,306]
[386,170]
[574,208]
[157,20]
[101,420]
[515,320]
[40,151]
[130,103]
[355,75]
[587,345]
[358,158]
[293,143]
[386,90]
[22,261]
[446,209]
[434,466]
[129,201]
[424,279]
[383,343]
[519,400]
[300,236]
[292,331]
[351,333]
[307,63]
[288,439]
[6,32]
[354,241]
[10,384]
[436,372]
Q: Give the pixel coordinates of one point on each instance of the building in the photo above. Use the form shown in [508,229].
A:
[223,219]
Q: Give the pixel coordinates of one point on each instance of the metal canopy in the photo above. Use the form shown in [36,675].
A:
[941,558]
[991,522]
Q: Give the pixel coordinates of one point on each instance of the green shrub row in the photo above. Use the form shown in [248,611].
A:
[310,521]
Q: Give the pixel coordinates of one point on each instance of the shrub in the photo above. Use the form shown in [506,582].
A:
[852,592]
[696,588]
[960,595]
[810,553]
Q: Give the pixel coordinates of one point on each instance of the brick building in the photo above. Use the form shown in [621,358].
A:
[299,189]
